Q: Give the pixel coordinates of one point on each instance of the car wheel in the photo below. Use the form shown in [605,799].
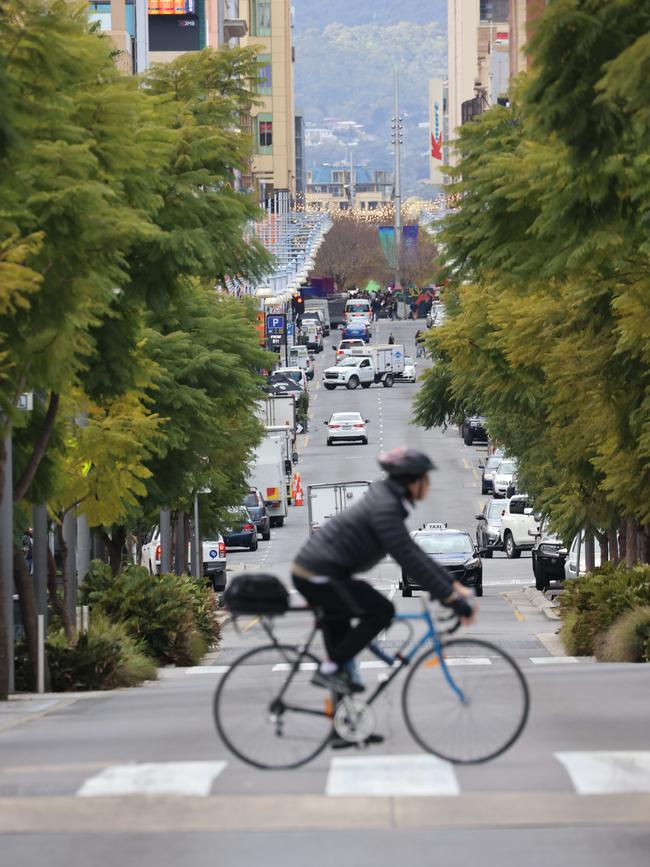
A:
[512,552]
[329,442]
[280,521]
[479,589]
[487,554]
[366,384]
[328,386]
[389,381]
[484,489]
[364,441]
[353,382]
[266,537]
[468,439]
[253,545]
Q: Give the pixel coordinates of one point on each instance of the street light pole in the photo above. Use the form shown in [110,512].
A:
[397,142]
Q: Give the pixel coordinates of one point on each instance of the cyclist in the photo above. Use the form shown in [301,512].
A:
[355,541]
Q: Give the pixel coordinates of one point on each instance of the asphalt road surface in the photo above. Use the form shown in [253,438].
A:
[140,777]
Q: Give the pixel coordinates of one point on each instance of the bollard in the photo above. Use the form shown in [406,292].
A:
[40,664]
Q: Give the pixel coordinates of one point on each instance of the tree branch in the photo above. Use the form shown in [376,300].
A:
[27,477]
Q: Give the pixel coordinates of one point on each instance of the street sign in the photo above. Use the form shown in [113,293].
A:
[289,329]
[275,323]
[26,401]
[276,308]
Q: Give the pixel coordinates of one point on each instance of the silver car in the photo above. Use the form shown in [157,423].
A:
[346,427]
[503,477]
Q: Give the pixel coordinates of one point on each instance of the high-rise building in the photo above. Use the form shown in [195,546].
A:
[274,130]
[437,136]
[301,167]
[522,17]
[463,18]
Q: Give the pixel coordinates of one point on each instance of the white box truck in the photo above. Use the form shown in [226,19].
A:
[267,474]
[329,498]
[277,410]
[289,454]
[320,306]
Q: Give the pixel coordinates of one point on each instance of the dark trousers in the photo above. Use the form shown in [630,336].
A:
[339,599]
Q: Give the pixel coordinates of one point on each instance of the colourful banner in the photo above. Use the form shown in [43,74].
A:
[171,7]
[410,236]
[387,241]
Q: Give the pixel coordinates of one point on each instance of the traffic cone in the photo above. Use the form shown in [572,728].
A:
[294,486]
[298,501]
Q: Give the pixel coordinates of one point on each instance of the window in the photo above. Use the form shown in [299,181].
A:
[261,17]
[264,84]
[264,133]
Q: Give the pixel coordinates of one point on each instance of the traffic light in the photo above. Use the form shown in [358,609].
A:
[297,304]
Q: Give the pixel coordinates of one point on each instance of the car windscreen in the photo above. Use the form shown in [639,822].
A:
[250,500]
[445,543]
[493,463]
[349,362]
[408,361]
[494,509]
[358,307]
[346,416]
[507,467]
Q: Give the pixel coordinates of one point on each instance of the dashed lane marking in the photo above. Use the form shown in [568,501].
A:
[553,660]
[520,617]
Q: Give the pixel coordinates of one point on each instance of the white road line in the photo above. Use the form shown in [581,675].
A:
[601,773]
[286,666]
[153,778]
[386,776]
[208,669]
[553,660]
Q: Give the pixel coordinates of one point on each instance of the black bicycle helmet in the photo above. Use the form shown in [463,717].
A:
[405,463]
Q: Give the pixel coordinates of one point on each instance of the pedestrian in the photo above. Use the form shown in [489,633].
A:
[391,339]
[28,548]
[419,346]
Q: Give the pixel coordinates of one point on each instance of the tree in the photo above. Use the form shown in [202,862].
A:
[351,253]
[549,268]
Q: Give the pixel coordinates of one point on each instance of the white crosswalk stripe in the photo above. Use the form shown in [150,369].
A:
[384,776]
[153,778]
[599,773]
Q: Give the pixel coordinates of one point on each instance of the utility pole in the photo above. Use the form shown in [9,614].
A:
[397,139]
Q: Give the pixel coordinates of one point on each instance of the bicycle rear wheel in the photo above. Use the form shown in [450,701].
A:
[476,714]
[264,723]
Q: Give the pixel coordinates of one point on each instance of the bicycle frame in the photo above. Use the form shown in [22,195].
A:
[404,659]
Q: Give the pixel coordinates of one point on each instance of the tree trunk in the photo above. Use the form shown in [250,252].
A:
[40,447]
[590,558]
[55,600]
[614,553]
[603,542]
[4,638]
[27,597]
[630,542]
[115,547]
[644,550]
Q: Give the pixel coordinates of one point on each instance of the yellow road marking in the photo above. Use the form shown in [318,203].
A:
[252,623]
[475,474]
[520,617]
[318,385]
[466,464]
[306,442]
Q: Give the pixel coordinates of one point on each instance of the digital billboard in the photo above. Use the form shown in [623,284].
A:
[171,7]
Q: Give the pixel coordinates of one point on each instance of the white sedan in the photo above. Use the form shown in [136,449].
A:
[346,427]
[503,476]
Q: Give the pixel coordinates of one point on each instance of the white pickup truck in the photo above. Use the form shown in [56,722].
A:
[365,366]
[517,520]
[214,558]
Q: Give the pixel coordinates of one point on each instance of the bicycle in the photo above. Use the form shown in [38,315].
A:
[270,715]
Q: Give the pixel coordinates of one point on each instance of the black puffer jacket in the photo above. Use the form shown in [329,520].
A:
[356,540]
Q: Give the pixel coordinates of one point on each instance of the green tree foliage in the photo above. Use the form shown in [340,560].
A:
[550,274]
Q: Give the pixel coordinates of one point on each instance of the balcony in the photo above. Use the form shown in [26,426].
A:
[234,28]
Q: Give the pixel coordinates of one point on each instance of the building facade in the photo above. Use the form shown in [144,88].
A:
[301,166]
[343,187]
[273,119]
[522,18]
[463,19]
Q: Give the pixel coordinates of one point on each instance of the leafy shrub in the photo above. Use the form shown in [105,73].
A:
[173,615]
[106,657]
[592,603]
[628,638]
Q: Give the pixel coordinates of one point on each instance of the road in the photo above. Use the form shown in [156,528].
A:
[140,775]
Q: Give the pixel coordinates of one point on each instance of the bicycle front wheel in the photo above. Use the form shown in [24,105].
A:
[270,716]
[470,710]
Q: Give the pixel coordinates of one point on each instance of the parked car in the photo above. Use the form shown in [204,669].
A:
[313,334]
[503,477]
[345,347]
[549,557]
[213,553]
[296,373]
[488,528]
[254,503]
[408,374]
[299,357]
[358,330]
[346,427]
[452,549]
[517,520]
[473,428]
[576,561]
[243,533]
[489,469]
